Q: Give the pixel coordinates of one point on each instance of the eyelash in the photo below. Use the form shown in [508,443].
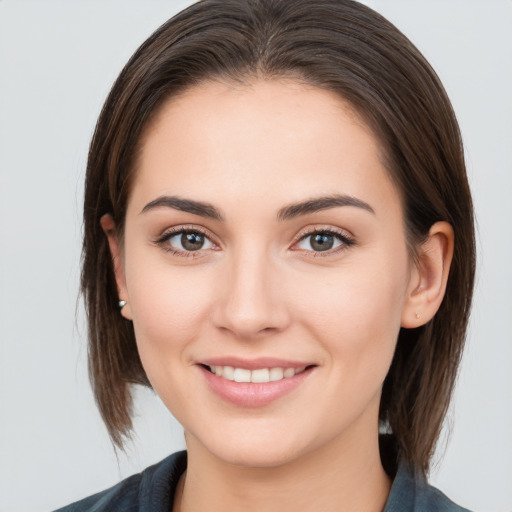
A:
[345,239]
[178,231]
[342,236]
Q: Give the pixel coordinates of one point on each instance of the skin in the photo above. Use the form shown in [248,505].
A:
[258,288]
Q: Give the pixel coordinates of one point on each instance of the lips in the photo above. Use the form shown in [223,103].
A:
[253,383]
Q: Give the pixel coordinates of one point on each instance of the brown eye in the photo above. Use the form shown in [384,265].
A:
[323,241]
[188,241]
[192,241]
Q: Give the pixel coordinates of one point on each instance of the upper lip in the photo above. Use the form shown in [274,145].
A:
[254,364]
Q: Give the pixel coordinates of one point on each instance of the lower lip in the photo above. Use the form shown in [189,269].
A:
[252,394]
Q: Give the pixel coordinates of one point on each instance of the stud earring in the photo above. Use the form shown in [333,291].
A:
[121,304]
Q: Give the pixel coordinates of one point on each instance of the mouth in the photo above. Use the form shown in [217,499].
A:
[257,375]
[254,383]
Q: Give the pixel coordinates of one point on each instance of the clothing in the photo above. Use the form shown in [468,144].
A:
[153,491]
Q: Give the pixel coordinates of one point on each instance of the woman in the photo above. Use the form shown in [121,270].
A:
[279,241]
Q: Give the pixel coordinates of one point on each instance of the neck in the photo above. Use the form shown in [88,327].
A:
[340,476]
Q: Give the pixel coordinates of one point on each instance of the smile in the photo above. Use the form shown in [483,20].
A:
[254,383]
[259,375]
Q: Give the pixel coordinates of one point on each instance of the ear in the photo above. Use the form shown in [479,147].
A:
[429,276]
[109,227]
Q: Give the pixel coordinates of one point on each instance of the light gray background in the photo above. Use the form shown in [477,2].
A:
[57,62]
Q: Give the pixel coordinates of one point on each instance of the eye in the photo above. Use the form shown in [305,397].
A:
[324,241]
[185,241]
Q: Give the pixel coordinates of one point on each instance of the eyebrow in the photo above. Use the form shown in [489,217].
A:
[321,203]
[185,205]
[291,211]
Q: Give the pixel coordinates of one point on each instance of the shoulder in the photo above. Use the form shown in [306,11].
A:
[413,494]
[149,491]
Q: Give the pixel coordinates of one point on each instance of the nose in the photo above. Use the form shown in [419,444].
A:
[251,299]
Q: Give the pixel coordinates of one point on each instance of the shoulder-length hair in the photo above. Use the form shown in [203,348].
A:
[337,45]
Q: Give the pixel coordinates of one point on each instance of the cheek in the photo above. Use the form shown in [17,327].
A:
[358,314]
[169,304]
[170,313]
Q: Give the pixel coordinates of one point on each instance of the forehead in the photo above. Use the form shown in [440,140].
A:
[265,137]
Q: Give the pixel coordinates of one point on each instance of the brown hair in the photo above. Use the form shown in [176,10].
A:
[338,45]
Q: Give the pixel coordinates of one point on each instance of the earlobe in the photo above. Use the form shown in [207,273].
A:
[109,227]
[429,276]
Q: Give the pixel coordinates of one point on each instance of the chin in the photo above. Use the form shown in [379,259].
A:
[254,448]
[256,456]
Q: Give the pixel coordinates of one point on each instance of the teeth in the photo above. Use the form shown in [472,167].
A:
[260,375]
[289,372]
[228,372]
[242,375]
[276,374]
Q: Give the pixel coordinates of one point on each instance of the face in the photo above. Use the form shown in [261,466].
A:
[264,242]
